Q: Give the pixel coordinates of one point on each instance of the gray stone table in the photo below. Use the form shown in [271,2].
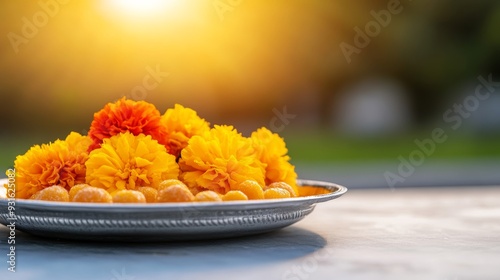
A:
[421,233]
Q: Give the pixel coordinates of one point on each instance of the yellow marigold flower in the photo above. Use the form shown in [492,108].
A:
[126,161]
[271,150]
[219,160]
[60,163]
[125,115]
[181,124]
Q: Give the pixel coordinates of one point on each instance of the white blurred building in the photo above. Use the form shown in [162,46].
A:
[373,107]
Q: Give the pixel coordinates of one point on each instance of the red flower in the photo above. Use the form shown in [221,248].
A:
[125,115]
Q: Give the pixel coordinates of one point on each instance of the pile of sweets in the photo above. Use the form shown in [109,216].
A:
[134,154]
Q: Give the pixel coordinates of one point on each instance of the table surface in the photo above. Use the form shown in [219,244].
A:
[414,233]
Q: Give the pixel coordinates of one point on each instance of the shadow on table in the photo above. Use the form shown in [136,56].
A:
[251,251]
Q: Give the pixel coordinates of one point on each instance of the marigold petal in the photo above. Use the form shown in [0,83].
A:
[271,151]
[127,161]
[219,160]
[136,117]
[182,124]
[59,163]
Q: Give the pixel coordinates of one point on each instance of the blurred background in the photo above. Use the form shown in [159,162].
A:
[352,86]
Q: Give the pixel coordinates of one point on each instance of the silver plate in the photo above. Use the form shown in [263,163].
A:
[162,221]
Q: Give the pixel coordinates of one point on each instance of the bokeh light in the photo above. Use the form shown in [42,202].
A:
[139,7]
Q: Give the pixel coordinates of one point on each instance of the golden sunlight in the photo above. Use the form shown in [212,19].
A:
[141,8]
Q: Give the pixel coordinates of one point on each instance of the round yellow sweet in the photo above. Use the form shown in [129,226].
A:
[175,193]
[234,195]
[251,189]
[170,182]
[149,193]
[207,196]
[282,185]
[52,193]
[93,194]
[128,196]
[272,193]
[75,189]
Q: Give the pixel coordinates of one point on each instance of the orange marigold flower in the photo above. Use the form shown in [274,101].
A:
[182,124]
[60,163]
[219,161]
[124,115]
[126,161]
[271,150]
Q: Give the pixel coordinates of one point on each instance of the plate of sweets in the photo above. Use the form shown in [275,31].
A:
[139,175]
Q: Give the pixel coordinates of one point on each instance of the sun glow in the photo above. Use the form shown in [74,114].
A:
[141,8]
